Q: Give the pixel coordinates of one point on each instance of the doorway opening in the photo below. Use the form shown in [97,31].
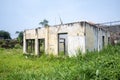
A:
[62,43]
[30,45]
[103,41]
[41,46]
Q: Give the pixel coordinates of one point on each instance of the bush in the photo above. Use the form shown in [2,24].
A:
[8,43]
[18,46]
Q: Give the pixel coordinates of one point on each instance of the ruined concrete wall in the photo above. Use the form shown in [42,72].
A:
[100,42]
[106,35]
[80,36]
[42,33]
[91,37]
[76,39]
[114,33]
[52,40]
[75,32]
[30,33]
[94,38]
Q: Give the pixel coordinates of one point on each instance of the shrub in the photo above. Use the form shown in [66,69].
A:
[18,46]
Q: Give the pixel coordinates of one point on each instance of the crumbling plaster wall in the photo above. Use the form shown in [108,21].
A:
[75,32]
[76,39]
[93,37]
[80,36]
[106,35]
[30,34]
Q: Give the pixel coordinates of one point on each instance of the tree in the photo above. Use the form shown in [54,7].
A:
[44,23]
[4,34]
[20,36]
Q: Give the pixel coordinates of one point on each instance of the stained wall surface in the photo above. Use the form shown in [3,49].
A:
[80,36]
[96,38]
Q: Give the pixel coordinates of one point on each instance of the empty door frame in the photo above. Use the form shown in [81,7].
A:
[103,41]
[63,39]
[41,46]
[30,45]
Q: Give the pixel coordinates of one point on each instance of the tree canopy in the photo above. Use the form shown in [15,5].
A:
[20,36]
[44,23]
[4,34]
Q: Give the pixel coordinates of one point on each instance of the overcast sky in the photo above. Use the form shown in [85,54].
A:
[18,15]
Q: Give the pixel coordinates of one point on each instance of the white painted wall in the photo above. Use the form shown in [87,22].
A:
[75,44]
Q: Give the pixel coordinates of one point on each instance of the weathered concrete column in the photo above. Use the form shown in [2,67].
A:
[98,40]
[24,43]
[36,47]
[47,40]
[36,43]
[84,43]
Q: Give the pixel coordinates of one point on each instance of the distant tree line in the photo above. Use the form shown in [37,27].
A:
[4,35]
[7,42]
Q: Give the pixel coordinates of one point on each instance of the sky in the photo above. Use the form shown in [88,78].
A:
[18,15]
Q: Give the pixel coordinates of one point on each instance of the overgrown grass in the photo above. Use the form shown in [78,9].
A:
[104,65]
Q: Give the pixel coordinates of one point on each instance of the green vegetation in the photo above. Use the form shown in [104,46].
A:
[4,35]
[44,23]
[104,65]
[20,37]
[8,43]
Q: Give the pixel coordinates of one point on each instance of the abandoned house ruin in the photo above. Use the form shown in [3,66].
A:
[65,38]
[114,33]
